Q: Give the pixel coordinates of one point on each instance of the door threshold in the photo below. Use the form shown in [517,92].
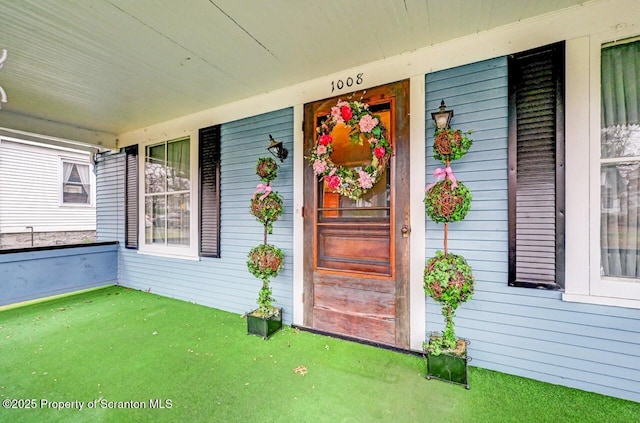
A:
[358,340]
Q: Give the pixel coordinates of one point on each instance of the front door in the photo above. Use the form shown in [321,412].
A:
[356,257]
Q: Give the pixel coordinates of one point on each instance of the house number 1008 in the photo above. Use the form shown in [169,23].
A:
[349,82]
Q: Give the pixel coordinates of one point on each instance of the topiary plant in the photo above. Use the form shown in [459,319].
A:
[447,277]
[449,281]
[266,260]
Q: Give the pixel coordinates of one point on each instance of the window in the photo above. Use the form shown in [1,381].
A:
[620,161]
[536,168]
[159,211]
[167,193]
[76,183]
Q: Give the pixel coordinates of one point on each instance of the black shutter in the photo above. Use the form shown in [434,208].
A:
[131,197]
[536,168]
[209,162]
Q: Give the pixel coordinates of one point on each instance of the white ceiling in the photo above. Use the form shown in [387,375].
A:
[112,66]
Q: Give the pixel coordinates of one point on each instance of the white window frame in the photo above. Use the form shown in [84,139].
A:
[176,251]
[584,282]
[92,182]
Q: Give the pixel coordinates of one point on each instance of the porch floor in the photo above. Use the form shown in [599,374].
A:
[169,360]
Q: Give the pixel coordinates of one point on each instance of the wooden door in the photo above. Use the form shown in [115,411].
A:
[356,252]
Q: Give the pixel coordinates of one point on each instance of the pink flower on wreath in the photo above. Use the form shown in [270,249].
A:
[367,123]
[346,112]
[322,149]
[379,151]
[373,140]
[325,139]
[319,167]
[364,180]
[333,181]
[335,114]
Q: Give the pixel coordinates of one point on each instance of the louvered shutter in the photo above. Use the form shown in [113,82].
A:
[131,197]
[536,168]
[209,160]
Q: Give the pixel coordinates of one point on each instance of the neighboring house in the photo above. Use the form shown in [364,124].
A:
[47,195]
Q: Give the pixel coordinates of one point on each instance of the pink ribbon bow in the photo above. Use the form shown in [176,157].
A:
[262,188]
[443,172]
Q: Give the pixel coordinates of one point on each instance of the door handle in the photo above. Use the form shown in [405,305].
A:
[406,229]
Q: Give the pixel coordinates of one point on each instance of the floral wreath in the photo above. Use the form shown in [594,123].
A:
[351,182]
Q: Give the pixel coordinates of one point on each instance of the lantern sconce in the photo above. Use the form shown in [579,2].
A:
[277,149]
[442,117]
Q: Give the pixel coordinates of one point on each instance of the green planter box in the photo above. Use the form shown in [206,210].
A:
[264,327]
[449,367]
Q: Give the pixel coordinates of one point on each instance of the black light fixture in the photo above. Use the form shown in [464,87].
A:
[442,117]
[277,149]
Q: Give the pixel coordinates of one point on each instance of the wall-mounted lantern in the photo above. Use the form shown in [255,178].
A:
[277,149]
[442,117]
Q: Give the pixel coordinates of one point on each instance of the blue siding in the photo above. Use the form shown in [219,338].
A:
[520,331]
[224,282]
[37,273]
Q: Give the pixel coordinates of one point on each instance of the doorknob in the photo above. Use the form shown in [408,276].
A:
[405,230]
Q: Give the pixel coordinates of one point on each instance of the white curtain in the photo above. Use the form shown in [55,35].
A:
[83,172]
[67,168]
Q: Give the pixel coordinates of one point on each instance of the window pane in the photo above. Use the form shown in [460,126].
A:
[76,185]
[155,219]
[178,166]
[620,141]
[178,219]
[620,220]
[154,169]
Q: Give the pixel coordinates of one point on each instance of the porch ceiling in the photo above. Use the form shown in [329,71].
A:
[92,69]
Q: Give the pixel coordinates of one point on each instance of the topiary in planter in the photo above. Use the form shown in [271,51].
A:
[450,144]
[448,280]
[445,204]
[267,169]
[267,208]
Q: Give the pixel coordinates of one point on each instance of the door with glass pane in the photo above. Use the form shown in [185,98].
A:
[356,255]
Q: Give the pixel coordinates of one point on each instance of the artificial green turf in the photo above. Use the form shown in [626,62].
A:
[121,345]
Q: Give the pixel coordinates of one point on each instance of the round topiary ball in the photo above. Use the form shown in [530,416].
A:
[448,279]
[450,144]
[265,261]
[267,208]
[446,204]
[267,169]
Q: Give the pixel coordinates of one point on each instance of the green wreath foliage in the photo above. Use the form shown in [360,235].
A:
[446,204]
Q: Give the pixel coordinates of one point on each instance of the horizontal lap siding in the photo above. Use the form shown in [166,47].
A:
[527,332]
[110,197]
[31,188]
[225,282]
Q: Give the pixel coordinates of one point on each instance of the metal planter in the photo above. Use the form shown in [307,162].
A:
[449,367]
[264,326]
